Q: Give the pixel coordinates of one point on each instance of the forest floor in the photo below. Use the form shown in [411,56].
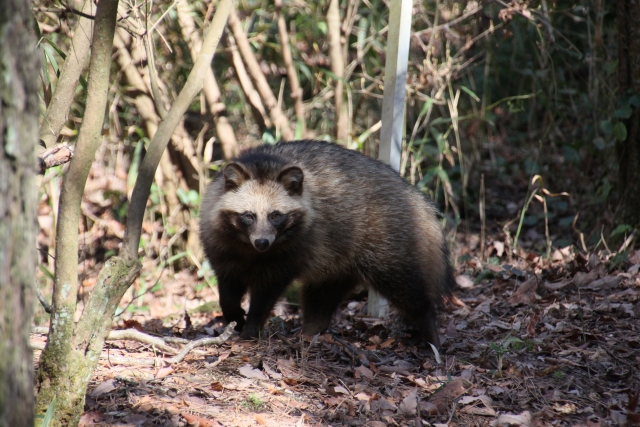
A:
[529,341]
[535,336]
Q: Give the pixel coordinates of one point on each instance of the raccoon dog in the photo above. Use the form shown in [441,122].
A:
[330,218]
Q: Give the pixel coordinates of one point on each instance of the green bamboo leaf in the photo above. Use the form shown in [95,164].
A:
[470,93]
[620,131]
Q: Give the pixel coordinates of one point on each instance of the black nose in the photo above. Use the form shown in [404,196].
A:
[261,244]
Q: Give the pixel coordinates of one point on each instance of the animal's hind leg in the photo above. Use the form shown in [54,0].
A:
[408,292]
[425,321]
[320,300]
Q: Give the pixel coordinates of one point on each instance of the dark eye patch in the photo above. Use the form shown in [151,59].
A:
[277,218]
[247,218]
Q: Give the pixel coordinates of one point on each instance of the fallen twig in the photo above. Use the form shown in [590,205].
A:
[134,334]
[157,342]
[127,334]
[202,342]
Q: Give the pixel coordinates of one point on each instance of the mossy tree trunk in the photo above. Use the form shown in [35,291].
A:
[19,64]
[73,349]
[629,84]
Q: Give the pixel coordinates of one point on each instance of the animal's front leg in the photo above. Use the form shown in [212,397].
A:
[263,298]
[231,293]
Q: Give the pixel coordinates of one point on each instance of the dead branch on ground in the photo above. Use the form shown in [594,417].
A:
[157,342]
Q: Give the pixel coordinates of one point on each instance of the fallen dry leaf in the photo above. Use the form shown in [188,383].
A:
[567,408]
[364,371]
[103,388]
[273,374]
[250,372]
[196,421]
[607,282]
[341,390]
[525,294]
[164,372]
[452,390]
[409,404]
[382,404]
[91,418]
[512,420]
[464,281]
[362,396]
[428,408]
[486,410]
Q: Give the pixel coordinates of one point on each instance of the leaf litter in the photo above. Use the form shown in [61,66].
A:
[527,341]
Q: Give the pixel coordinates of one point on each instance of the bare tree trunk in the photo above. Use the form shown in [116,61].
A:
[629,83]
[73,350]
[64,371]
[337,68]
[19,64]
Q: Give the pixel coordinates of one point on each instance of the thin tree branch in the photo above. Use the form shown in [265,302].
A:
[159,142]
[135,335]
[58,109]
[153,72]
[294,82]
[210,89]
[269,99]
[257,107]
[43,301]
[337,68]
[202,342]
[55,156]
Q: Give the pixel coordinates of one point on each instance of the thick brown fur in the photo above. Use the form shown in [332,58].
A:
[330,218]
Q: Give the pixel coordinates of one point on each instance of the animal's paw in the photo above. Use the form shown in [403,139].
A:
[249,332]
[313,328]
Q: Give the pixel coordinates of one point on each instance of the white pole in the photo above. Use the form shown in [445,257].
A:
[395,80]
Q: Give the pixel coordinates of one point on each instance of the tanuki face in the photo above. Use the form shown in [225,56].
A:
[261,213]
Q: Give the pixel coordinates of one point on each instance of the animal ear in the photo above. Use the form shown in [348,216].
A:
[291,179]
[234,175]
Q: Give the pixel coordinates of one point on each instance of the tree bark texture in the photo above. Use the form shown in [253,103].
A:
[629,84]
[66,364]
[337,68]
[294,82]
[73,350]
[212,94]
[77,55]
[19,65]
